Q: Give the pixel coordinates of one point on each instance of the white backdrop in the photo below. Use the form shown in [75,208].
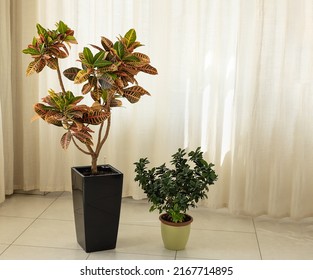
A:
[235,77]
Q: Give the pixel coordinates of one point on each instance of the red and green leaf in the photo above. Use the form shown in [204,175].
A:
[133,94]
[66,140]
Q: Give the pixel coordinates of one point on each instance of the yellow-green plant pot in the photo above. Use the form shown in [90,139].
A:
[175,235]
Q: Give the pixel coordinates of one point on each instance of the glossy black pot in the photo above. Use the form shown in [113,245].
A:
[97,204]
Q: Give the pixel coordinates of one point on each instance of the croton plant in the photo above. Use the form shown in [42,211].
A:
[108,75]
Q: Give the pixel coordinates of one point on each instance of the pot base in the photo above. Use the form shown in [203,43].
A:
[175,235]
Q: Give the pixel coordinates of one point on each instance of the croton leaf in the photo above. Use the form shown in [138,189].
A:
[106,81]
[88,56]
[106,43]
[142,57]
[83,136]
[40,110]
[95,117]
[116,103]
[133,94]
[71,73]
[120,49]
[130,37]
[41,30]
[149,69]
[87,87]
[66,140]
[62,27]
[81,77]
[31,50]
[35,66]
[52,63]
[54,117]
[96,94]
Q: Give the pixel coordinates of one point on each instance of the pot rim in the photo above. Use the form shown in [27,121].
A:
[175,224]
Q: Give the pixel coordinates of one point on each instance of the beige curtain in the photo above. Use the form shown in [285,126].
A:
[6,119]
[234,78]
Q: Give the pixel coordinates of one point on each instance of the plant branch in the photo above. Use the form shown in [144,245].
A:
[79,148]
[105,137]
[60,77]
[91,152]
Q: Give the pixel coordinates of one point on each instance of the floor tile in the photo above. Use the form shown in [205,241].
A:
[2,248]
[204,218]
[12,227]
[225,245]
[60,209]
[28,206]
[42,253]
[137,212]
[143,240]
[50,233]
[285,238]
[279,246]
[113,255]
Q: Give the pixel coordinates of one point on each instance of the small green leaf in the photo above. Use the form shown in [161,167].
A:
[105,63]
[130,37]
[62,27]
[41,30]
[119,47]
[99,56]
[88,55]
[99,60]
[31,51]
[131,58]
[70,39]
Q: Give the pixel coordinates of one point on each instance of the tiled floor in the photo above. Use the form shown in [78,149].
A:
[42,227]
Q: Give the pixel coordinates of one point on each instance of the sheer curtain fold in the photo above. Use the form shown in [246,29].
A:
[234,78]
[6,122]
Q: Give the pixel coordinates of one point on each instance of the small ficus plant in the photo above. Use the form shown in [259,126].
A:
[108,76]
[174,191]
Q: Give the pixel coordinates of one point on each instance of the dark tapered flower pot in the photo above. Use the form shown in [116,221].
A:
[97,204]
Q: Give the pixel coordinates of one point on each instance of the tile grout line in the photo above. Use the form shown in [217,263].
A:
[35,219]
[257,239]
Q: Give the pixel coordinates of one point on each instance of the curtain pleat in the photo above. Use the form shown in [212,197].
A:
[235,77]
[6,114]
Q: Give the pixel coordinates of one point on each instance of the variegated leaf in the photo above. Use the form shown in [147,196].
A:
[54,117]
[106,43]
[81,77]
[106,81]
[52,63]
[96,106]
[96,94]
[35,66]
[142,57]
[66,140]
[149,69]
[40,110]
[133,94]
[110,68]
[116,103]
[95,117]
[130,37]
[86,88]
[83,136]
[119,82]
[71,73]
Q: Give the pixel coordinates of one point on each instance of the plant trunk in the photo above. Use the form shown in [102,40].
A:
[94,160]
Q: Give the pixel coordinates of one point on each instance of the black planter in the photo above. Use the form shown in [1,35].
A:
[97,204]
